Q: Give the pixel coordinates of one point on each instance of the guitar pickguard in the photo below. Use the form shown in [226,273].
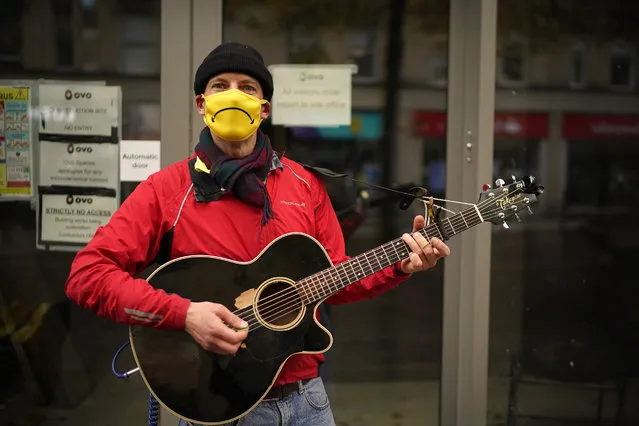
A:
[245,299]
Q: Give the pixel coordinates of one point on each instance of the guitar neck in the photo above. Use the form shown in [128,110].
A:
[331,280]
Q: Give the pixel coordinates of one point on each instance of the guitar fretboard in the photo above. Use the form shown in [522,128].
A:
[331,280]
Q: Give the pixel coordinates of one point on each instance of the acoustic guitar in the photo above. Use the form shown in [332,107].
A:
[277,294]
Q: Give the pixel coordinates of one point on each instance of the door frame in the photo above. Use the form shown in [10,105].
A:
[469,163]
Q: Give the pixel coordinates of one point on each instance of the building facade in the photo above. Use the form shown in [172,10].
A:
[476,102]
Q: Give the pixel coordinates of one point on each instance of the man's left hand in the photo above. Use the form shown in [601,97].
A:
[425,253]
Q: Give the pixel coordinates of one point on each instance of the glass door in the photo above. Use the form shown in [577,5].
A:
[385,365]
[564,317]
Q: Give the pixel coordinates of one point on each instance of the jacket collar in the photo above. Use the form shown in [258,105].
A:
[205,188]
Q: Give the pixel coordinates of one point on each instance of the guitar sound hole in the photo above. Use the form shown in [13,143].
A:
[279,305]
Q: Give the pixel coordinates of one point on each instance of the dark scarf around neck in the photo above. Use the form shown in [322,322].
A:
[244,177]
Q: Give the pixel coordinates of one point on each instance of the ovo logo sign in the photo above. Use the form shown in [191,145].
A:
[79,200]
[304,76]
[78,148]
[68,95]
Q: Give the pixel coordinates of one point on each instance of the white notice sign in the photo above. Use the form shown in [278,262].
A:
[78,110]
[79,164]
[139,160]
[318,95]
[74,218]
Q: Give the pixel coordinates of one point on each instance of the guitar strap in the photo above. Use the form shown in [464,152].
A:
[166,243]
[408,195]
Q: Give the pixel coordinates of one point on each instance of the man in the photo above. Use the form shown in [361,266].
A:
[230,199]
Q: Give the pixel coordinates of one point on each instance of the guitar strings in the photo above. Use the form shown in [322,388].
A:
[456,221]
[293,304]
[294,301]
[292,297]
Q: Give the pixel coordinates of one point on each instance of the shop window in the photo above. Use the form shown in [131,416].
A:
[601,177]
[140,45]
[138,7]
[142,121]
[64,47]
[578,67]
[305,47]
[439,62]
[140,60]
[62,8]
[64,40]
[11,40]
[622,67]
[89,14]
[512,63]
[362,51]
[91,67]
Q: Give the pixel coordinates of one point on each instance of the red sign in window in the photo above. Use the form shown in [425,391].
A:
[518,125]
[600,127]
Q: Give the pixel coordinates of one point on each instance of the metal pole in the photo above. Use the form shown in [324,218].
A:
[393,85]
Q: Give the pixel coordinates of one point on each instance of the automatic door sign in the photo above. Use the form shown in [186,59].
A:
[139,160]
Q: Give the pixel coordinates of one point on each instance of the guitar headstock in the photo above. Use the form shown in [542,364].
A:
[508,200]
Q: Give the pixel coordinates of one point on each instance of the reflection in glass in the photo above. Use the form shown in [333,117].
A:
[55,358]
[563,294]
[622,67]
[387,351]
[512,62]
[363,52]
[578,67]
[11,40]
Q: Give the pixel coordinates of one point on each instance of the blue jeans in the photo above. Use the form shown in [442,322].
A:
[308,406]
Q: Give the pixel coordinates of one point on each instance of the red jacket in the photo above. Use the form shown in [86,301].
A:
[102,274]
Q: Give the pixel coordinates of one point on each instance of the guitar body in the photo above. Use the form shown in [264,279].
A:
[206,388]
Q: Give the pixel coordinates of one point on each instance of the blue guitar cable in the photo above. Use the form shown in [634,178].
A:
[154,411]
[154,405]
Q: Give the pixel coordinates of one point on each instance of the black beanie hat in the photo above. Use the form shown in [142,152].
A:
[233,57]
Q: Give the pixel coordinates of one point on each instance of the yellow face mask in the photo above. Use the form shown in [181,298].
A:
[233,115]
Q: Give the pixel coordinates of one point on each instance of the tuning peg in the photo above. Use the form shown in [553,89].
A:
[513,178]
[505,225]
[529,210]
[485,187]
[499,183]
[517,217]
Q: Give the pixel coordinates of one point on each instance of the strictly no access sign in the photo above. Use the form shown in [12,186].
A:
[312,95]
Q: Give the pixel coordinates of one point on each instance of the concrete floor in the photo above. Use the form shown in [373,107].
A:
[404,403]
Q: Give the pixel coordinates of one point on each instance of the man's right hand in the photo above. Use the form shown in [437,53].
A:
[205,322]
